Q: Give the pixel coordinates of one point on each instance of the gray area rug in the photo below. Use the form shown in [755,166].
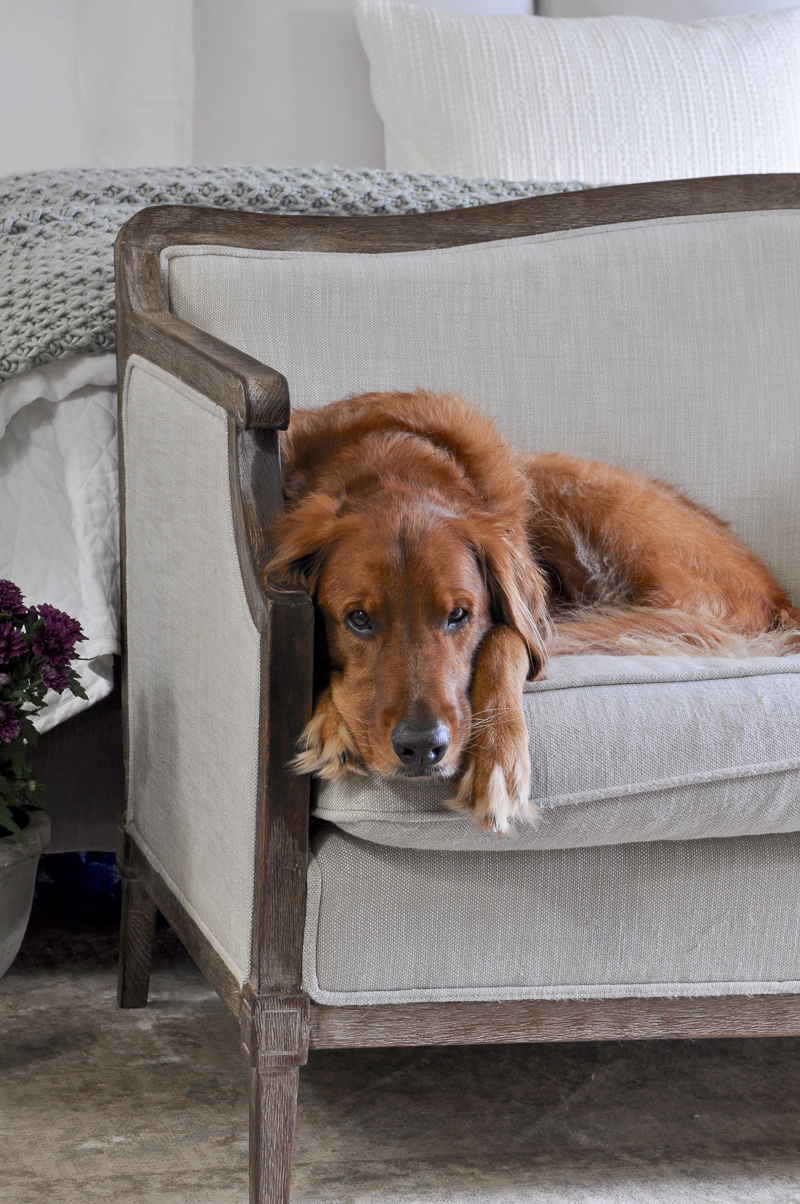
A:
[150,1106]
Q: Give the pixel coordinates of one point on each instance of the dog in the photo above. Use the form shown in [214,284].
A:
[448,566]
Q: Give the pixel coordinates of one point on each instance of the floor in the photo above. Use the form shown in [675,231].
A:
[150,1105]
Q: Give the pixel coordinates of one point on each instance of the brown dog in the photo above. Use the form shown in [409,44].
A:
[446,565]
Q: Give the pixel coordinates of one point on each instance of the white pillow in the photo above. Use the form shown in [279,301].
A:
[664,10]
[597,99]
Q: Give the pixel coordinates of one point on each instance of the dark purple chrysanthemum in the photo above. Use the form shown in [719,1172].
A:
[57,639]
[9,722]
[55,677]
[12,643]
[11,602]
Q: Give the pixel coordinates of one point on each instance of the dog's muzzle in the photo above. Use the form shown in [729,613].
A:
[420,746]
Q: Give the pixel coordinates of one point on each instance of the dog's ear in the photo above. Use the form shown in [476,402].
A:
[303,538]
[515,582]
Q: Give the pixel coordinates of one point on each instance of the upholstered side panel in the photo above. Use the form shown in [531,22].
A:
[193,660]
[665,918]
[667,345]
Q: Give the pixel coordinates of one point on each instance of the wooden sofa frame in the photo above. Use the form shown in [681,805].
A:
[279,1023]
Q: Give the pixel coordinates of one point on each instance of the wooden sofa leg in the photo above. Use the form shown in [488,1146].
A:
[275,1044]
[137,929]
[273,1112]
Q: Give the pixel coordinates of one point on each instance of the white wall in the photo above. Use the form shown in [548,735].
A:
[43,125]
[134,59]
[287,81]
[277,81]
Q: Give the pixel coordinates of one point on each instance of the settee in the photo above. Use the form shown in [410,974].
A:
[653,326]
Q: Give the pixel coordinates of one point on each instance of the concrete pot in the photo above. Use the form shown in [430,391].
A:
[17,879]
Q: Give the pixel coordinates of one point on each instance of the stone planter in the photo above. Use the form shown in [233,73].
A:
[17,879]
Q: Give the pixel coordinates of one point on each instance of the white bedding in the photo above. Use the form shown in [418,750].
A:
[59,506]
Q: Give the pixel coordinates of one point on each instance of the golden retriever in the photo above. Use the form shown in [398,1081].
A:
[447,565]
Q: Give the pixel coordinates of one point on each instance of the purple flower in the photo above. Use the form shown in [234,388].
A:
[12,643]
[11,599]
[55,677]
[9,722]
[57,639]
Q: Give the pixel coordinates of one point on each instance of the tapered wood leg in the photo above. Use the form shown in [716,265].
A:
[137,928]
[273,1112]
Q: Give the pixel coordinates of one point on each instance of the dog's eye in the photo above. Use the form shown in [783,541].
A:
[457,617]
[359,621]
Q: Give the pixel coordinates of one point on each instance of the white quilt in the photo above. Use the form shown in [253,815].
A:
[59,506]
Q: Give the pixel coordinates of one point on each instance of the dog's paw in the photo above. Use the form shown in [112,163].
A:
[495,785]
[326,747]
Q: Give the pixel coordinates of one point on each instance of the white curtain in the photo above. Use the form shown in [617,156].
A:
[136,80]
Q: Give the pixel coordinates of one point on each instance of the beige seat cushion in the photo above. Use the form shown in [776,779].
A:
[630,748]
[666,918]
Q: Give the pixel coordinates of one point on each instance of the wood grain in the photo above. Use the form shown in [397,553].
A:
[137,929]
[255,394]
[282,829]
[273,1112]
[274,1029]
[571,1020]
[159,226]
[286,621]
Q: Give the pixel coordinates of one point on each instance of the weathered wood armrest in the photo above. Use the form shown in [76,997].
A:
[255,394]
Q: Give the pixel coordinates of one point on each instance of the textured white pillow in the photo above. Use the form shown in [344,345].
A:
[663,10]
[598,99]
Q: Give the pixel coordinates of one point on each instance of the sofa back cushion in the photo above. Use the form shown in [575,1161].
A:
[668,346]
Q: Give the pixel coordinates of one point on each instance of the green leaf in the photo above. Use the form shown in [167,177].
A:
[7,820]
[29,732]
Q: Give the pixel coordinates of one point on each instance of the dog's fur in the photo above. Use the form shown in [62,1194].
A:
[411,510]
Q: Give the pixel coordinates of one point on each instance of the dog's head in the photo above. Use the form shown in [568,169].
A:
[410,575]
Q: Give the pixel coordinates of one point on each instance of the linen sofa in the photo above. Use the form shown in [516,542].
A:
[649,325]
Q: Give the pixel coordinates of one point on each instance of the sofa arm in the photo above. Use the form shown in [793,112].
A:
[218,666]
[210,716]
[256,395]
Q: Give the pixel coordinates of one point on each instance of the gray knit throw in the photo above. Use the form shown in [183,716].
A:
[57,231]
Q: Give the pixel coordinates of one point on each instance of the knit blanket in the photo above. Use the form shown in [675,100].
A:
[57,231]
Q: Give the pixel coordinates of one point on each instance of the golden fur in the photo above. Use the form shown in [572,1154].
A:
[470,563]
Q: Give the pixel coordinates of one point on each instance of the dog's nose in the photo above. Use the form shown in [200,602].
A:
[421,745]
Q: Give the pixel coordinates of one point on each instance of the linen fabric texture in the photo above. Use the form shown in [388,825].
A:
[193,661]
[627,748]
[660,919]
[667,346]
[616,99]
